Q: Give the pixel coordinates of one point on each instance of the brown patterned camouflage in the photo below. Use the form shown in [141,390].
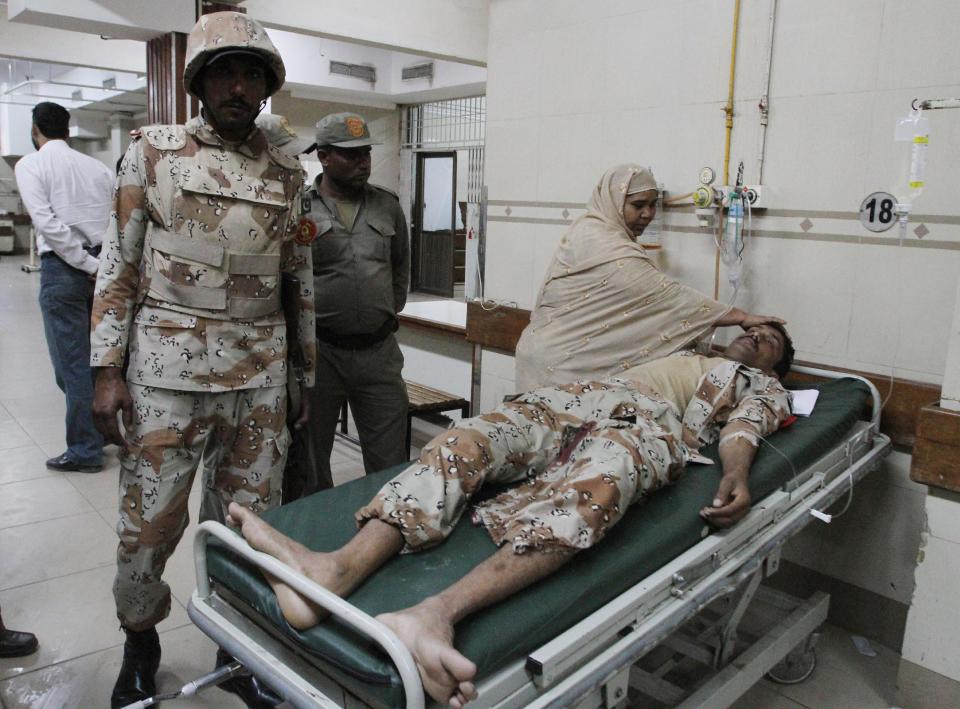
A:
[174,429]
[582,453]
[182,191]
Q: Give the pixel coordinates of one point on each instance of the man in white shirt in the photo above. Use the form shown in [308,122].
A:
[69,196]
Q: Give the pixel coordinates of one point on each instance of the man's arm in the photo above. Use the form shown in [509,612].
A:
[732,499]
[762,405]
[400,260]
[36,198]
[115,296]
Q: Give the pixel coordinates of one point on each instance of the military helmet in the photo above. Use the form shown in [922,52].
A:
[234,32]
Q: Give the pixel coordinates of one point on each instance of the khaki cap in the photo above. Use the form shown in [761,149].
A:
[281,136]
[344,130]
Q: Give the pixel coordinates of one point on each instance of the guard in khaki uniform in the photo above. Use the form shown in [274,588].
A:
[189,292]
[361,268]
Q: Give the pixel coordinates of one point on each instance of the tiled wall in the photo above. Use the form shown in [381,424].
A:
[576,87]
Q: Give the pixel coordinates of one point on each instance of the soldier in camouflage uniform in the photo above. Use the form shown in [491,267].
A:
[189,292]
[578,456]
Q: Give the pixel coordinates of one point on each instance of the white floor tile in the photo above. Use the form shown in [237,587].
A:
[12,435]
[40,499]
[88,680]
[72,616]
[83,542]
[24,463]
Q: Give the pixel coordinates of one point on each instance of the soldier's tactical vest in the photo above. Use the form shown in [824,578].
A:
[225,217]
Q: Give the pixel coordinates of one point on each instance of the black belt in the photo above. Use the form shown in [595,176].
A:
[361,341]
[92,250]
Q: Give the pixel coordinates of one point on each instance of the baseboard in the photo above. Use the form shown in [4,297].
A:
[856,609]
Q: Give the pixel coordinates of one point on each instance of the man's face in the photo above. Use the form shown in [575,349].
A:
[35,136]
[349,167]
[233,87]
[760,347]
[639,209]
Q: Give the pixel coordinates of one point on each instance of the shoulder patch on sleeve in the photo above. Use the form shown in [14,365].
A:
[165,137]
[381,188]
[282,159]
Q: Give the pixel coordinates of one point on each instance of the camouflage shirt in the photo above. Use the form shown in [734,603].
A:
[190,271]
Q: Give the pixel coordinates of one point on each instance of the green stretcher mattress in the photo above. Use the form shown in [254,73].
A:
[649,536]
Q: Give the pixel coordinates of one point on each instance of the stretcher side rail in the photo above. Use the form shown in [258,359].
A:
[338,607]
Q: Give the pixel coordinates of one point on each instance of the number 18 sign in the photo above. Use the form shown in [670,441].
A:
[877,211]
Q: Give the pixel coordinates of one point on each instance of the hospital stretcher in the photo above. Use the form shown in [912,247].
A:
[661,596]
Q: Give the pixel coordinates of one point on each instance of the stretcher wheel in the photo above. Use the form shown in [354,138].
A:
[796,667]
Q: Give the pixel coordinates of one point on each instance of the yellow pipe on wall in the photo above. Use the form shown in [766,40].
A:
[728,110]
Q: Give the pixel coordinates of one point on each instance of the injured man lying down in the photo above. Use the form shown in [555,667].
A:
[577,456]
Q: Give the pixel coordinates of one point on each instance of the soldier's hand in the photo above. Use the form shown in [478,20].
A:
[110,396]
[304,411]
[731,502]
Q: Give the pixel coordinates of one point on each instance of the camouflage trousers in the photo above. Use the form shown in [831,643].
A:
[242,439]
[581,453]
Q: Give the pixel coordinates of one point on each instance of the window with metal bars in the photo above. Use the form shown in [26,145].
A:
[454,124]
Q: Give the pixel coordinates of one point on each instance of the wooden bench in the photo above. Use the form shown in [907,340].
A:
[423,400]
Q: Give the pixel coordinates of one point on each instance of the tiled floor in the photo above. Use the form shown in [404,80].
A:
[57,549]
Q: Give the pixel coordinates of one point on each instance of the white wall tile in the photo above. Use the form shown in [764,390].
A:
[815,150]
[903,307]
[569,165]
[933,624]
[518,60]
[511,167]
[872,545]
[918,49]
[942,518]
[510,279]
[826,47]
[572,64]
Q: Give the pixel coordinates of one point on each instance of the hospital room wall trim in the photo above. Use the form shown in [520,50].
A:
[800,213]
[799,236]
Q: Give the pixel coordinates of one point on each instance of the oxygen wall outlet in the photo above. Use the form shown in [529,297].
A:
[757,196]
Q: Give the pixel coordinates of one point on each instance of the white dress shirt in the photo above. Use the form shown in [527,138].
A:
[69,196]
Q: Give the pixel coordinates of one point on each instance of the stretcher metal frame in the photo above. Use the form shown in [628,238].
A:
[592,664]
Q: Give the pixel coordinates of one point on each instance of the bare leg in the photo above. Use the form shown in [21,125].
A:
[339,571]
[427,628]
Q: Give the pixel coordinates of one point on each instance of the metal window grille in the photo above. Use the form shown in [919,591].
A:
[454,124]
[451,124]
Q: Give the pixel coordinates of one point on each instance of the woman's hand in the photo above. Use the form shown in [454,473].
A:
[751,320]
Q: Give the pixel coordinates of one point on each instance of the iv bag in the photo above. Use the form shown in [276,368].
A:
[915,130]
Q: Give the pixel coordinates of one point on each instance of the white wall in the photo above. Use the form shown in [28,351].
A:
[438,28]
[113,18]
[647,83]
[46,44]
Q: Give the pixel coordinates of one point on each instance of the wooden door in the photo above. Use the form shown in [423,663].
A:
[434,224]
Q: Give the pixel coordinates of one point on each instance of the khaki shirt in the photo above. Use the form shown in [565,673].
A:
[182,189]
[360,275]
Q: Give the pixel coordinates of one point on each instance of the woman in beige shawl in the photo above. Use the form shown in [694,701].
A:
[604,307]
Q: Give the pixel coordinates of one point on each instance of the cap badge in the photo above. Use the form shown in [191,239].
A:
[355,127]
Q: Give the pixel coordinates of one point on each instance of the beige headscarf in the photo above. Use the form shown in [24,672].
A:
[604,307]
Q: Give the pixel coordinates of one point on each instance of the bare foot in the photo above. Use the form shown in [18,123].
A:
[326,569]
[428,633]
